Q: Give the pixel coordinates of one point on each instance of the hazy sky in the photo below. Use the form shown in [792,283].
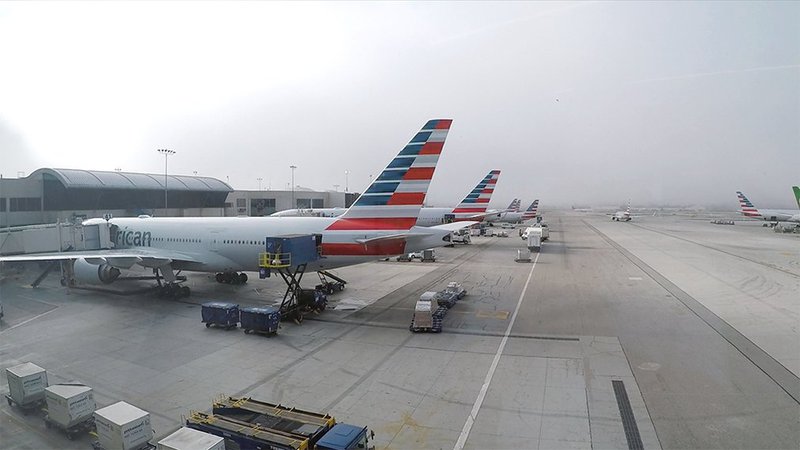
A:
[577,103]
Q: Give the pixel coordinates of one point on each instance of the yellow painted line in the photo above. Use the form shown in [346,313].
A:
[501,315]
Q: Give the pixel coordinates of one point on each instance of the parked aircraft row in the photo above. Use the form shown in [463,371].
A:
[384,221]
[770,215]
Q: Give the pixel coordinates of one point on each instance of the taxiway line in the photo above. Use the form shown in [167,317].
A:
[476,407]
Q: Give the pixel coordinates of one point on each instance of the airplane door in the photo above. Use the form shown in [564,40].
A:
[214,241]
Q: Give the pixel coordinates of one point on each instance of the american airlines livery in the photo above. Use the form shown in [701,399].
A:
[522,216]
[474,207]
[770,215]
[381,223]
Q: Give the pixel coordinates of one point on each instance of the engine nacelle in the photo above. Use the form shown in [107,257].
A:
[86,273]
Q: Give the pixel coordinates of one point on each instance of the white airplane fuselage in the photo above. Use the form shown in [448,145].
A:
[233,244]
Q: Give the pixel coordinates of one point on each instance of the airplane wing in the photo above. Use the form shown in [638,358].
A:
[455,226]
[121,258]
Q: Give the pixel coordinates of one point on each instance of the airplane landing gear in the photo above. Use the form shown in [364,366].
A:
[173,290]
[231,278]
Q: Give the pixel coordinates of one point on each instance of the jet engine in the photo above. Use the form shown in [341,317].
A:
[93,273]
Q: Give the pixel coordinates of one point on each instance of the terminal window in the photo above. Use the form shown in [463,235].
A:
[25,204]
[2,204]
[262,206]
[317,203]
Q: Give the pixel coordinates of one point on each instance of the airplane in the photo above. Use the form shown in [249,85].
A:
[472,208]
[381,223]
[769,215]
[522,216]
[622,216]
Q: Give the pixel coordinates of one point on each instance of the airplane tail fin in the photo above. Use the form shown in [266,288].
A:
[393,200]
[532,211]
[796,194]
[747,207]
[477,201]
[514,206]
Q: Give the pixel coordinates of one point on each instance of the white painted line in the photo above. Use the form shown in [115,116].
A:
[462,439]
[26,321]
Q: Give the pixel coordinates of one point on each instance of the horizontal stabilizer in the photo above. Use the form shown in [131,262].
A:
[455,226]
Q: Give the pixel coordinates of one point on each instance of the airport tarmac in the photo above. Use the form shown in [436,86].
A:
[659,333]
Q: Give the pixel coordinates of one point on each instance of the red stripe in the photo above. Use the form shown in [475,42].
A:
[406,198]
[374,223]
[444,124]
[419,173]
[491,182]
[431,148]
[378,248]
[469,210]
[487,191]
[481,200]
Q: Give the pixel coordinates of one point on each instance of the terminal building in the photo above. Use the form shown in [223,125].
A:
[70,195]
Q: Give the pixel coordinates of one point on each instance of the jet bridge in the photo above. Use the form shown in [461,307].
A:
[56,237]
[289,256]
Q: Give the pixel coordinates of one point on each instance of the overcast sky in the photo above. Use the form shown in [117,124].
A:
[577,103]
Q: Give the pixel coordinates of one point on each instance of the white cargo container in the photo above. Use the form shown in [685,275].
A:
[189,439]
[26,383]
[122,426]
[69,404]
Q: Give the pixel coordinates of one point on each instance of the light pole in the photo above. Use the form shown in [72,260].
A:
[346,173]
[294,204]
[259,182]
[166,152]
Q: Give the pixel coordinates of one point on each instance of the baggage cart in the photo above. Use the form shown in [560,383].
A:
[221,314]
[85,427]
[262,320]
[26,385]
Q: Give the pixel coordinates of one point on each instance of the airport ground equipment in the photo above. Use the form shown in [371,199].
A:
[313,430]
[461,236]
[263,320]
[26,386]
[289,256]
[428,255]
[189,439]
[523,256]
[722,222]
[310,425]
[327,286]
[70,408]
[122,426]
[455,287]
[221,314]
[428,315]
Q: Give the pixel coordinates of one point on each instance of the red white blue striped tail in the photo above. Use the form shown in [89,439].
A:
[747,207]
[393,200]
[532,211]
[477,201]
[515,205]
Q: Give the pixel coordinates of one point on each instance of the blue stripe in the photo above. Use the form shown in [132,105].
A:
[372,200]
[380,188]
[431,125]
[391,175]
[410,150]
[400,163]
[421,136]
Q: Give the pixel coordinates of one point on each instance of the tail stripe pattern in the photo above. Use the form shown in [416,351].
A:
[532,211]
[477,200]
[393,200]
[748,209]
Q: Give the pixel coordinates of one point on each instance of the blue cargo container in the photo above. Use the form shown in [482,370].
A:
[300,248]
[263,319]
[222,314]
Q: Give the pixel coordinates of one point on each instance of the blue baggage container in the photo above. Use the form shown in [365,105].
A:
[221,314]
[295,249]
[264,319]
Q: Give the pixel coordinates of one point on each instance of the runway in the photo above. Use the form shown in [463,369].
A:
[660,333]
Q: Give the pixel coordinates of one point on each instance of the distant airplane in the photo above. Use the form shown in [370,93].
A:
[380,223]
[769,215]
[622,216]
[522,216]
